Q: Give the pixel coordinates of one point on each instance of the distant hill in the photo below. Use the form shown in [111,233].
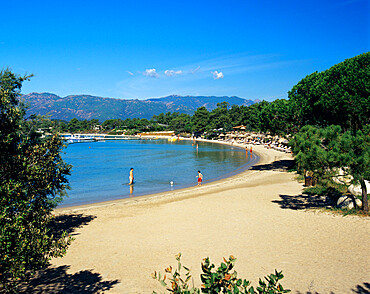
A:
[90,107]
[194,102]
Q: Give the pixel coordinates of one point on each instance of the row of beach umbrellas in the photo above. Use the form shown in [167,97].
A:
[253,136]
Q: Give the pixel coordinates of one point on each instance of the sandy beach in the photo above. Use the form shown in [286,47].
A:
[259,216]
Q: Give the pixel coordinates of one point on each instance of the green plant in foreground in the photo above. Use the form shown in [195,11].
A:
[221,280]
[178,284]
[33,179]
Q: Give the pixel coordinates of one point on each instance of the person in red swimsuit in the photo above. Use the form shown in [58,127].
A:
[200,178]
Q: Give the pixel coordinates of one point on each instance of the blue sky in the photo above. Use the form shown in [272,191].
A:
[143,49]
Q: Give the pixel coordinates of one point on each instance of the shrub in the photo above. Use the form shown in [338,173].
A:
[220,280]
[33,178]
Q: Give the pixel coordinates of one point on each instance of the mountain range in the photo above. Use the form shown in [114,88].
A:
[93,107]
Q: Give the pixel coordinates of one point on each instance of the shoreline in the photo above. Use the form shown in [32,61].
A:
[170,193]
[258,216]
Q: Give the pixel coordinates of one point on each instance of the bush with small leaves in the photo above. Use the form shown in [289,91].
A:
[221,280]
[179,284]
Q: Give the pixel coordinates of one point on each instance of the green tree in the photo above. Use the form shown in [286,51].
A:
[275,117]
[128,124]
[219,117]
[181,123]
[112,124]
[324,151]
[337,96]
[200,119]
[252,116]
[163,118]
[32,182]
[310,154]
[236,115]
[158,118]
[93,123]
[303,98]
[345,91]
[74,125]
[59,126]
[357,158]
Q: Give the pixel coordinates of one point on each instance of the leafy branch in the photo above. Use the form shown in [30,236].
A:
[221,280]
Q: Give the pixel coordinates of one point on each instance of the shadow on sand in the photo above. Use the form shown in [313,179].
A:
[299,202]
[296,202]
[365,289]
[360,289]
[69,223]
[56,279]
[279,165]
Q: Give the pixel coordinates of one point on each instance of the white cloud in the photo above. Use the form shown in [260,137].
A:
[195,70]
[130,73]
[171,73]
[217,75]
[151,73]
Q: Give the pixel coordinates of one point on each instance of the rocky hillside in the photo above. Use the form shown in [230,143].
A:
[92,107]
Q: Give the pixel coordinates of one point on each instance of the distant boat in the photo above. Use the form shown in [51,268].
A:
[78,139]
[100,139]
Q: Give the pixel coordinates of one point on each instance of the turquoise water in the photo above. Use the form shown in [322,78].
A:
[101,169]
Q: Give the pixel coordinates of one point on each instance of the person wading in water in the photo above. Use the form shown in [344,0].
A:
[131,177]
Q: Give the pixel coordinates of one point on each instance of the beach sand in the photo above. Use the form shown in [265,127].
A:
[255,216]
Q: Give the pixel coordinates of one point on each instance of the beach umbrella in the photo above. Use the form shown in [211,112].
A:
[284,141]
[222,135]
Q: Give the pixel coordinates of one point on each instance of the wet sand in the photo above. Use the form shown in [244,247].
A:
[254,216]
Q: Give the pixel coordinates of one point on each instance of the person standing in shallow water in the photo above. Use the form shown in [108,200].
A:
[200,178]
[131,177]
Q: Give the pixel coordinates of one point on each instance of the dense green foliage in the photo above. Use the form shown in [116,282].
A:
[337,96]
[332,111]
[32,181]
[220,280]
[323,151]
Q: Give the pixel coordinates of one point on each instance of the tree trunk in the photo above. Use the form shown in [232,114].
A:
[365,205]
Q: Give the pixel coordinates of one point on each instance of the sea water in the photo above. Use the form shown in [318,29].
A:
[101,169]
